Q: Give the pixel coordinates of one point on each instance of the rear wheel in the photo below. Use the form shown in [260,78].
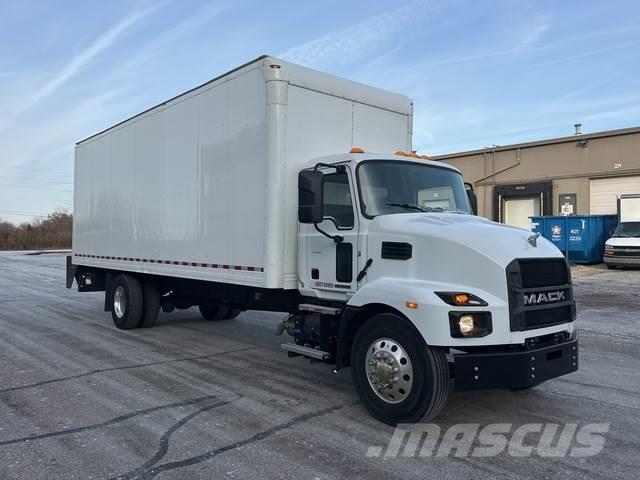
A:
[399,379]
[127,302]
[214,312]
[151,305]
[233,313]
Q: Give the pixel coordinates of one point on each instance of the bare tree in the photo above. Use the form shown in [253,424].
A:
[50,232]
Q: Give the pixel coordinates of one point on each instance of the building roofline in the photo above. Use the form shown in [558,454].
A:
[537,143]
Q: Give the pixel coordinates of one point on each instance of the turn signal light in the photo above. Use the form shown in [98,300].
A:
[412,305]
[461,299]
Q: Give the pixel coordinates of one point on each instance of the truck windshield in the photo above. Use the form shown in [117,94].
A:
[628,229]
[393,186]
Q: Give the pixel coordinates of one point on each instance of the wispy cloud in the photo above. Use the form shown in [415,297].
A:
[346,44]
[103,42]
[588,53]
[536,29]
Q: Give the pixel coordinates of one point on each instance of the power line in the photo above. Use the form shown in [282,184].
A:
[18,167]
[35,180]
[36,187]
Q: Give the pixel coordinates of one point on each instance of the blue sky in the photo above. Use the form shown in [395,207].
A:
[480,73]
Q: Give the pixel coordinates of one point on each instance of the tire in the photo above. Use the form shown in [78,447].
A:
[151,305]
[127,302]
[214,312]
[422,394]
[233,313]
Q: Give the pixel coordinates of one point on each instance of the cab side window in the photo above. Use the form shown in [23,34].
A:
[338,204]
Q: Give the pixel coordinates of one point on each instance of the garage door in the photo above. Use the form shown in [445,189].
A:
[518,210]
[603,193]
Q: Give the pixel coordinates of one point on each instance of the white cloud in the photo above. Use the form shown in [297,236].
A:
[347,44]
[103,42]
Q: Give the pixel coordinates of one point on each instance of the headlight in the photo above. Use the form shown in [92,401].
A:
[608,250]
[465,325]
[470,324]
[461,299]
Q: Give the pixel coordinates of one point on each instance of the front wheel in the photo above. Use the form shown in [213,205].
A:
[398,378]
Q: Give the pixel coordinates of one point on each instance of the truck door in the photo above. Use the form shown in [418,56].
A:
[333,265]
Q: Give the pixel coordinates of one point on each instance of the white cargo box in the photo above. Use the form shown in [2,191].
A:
[204,186]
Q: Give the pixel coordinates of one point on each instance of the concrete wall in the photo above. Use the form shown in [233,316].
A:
[565,162]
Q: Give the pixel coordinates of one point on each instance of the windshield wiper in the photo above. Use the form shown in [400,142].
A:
[407,206]
[455,210]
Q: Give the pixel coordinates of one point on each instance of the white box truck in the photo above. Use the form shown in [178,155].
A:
[623,248]
[275,187]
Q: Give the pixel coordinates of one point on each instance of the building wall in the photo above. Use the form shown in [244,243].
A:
[569,163]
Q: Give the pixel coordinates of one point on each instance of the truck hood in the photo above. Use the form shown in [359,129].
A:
[454,251]
[497,242]
[623,242]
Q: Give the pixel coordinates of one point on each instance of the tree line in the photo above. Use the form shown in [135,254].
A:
[50,232]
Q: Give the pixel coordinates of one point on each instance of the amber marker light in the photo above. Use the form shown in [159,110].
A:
[461,299]
[412,305]
[356,150]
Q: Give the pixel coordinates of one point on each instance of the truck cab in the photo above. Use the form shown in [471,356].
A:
[393,242]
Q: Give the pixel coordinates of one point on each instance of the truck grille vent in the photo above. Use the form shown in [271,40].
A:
[540,293]
[629,251]
[396,250]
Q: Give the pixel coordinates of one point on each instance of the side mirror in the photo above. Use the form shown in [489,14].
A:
[473,198]
[310,197]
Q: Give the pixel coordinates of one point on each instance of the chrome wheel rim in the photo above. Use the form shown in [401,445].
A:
[119,302]
[389,370]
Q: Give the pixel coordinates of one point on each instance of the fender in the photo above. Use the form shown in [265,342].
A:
[431,315]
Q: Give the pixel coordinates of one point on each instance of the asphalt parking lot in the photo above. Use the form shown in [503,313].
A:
[196,399]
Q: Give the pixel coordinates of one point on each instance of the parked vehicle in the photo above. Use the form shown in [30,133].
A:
[623,248]
[250,193]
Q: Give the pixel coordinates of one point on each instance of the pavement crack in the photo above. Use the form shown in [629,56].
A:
[127,367]
[154,471]
[163,446]
[118,419]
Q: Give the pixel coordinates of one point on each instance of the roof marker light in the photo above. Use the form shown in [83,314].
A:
[356,150]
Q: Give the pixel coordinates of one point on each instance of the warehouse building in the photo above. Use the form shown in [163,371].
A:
[581,175]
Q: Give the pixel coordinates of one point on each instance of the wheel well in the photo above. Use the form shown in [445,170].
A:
[352,319]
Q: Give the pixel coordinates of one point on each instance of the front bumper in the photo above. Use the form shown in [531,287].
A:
[619,260]
[519,369]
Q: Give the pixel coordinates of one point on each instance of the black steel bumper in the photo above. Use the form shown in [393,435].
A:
[520,369]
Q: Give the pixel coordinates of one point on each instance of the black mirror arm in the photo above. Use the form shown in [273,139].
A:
[335,238]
